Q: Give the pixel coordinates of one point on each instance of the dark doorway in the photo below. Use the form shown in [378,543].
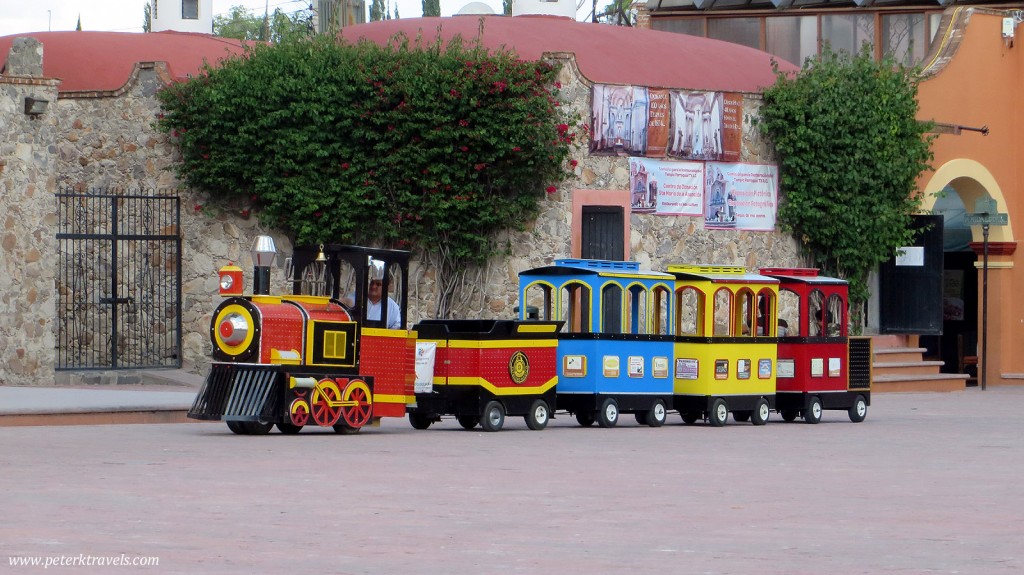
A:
[910,287]
[602,231]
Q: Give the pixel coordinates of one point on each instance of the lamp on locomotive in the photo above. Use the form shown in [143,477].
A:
[230,280]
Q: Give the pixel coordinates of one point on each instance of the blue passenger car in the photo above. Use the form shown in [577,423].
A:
[615,347]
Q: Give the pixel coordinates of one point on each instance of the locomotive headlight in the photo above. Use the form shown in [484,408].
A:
[234,329]
[226,282]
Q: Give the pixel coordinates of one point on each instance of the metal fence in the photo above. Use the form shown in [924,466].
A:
[119,280]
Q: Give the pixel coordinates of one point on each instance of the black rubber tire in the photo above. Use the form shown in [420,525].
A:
[468,422]
[813,412]
[719,413]
[585,418]
[761,412]
[657,415]
[419,421]
[538,416]
[608,415]
[289,428]
[859,410]
[493,417]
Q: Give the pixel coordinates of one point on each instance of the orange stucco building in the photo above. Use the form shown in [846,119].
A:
[973,80]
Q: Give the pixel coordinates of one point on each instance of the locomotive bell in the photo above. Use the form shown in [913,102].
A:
[263,253]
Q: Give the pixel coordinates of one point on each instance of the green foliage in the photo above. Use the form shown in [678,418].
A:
[279,27]
[378,11]
[431,8]
[434,147]
[850,151]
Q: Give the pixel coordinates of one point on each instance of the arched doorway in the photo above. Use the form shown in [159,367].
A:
[952,192]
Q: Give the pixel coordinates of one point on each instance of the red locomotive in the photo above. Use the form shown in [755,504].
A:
[300,360]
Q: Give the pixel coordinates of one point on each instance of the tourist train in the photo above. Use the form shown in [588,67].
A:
[592,338]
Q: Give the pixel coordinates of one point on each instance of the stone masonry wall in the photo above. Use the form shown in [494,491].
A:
[27,242]
[107,142]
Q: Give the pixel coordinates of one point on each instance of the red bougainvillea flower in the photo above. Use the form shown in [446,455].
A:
[573,163]
[198,207]
[551,189]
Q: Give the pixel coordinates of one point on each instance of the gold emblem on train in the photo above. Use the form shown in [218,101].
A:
[519,367]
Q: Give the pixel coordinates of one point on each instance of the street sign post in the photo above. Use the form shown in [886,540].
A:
[985,214]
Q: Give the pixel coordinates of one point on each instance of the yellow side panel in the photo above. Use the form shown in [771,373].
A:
[725,369]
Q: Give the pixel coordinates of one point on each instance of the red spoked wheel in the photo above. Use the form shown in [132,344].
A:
[299,412]
[326,403]
[357,404]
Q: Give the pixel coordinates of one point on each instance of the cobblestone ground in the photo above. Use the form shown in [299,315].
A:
[929,483]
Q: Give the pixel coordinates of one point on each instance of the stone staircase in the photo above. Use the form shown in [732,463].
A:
[899,366]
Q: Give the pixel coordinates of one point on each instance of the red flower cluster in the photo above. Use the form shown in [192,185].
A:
[551,189]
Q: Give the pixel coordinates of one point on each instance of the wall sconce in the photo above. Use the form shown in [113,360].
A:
[35,106]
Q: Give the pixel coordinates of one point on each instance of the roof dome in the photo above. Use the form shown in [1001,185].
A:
[604,54]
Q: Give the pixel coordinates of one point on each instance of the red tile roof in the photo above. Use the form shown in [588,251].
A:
[605,54]
[102,61]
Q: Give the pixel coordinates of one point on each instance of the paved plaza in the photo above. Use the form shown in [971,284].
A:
[929,483]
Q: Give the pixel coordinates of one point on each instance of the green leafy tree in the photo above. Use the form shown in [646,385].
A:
[431,8]
[850,150]
[147,17]
[619,13]
[506,7]
[434,148]
[278,27]
[377,11]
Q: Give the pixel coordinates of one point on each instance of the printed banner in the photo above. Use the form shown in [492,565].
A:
[666,188]
[740,196]
[658,123]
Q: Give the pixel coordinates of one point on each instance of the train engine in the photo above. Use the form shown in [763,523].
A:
[301,359]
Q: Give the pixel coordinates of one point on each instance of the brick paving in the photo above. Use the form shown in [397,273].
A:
[929,483]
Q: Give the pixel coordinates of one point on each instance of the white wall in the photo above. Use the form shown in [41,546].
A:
[167,16]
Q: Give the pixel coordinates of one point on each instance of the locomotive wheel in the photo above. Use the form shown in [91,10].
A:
[325,400]
[813,412]
[719,413]
[788,414]
[237,428]
[257,427]
[760,413]
[608,415]
[419,421]
[289,428]
[538,416]
[345,429]
[357,415]
[741,416]
[494,416]
[859,410]
[585,418]
[656,415]
[468,421]
[299,412]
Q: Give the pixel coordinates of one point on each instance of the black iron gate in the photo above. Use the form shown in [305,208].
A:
[119,281]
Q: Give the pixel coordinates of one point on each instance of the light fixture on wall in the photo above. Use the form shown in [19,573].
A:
[35,106]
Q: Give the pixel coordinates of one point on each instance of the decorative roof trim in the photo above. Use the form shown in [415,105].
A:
[159,68]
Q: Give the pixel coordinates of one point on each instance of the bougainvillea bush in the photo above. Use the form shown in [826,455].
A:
[432,147]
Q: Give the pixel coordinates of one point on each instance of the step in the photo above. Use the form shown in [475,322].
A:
[917,383]
[898,354]
[920,367]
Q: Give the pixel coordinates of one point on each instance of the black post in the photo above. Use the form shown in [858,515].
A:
[984,306]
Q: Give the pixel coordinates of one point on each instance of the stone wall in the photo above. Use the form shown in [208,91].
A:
[27,241]
[107,142]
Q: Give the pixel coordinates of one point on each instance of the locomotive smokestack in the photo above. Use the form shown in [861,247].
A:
[263,253]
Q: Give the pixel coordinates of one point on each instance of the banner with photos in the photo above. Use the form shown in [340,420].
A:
[658,123]
[666,188]
[727,196]
[740,196]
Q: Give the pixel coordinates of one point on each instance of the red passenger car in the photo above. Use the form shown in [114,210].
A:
[819,366]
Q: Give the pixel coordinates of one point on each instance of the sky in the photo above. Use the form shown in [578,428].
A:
[19,16]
